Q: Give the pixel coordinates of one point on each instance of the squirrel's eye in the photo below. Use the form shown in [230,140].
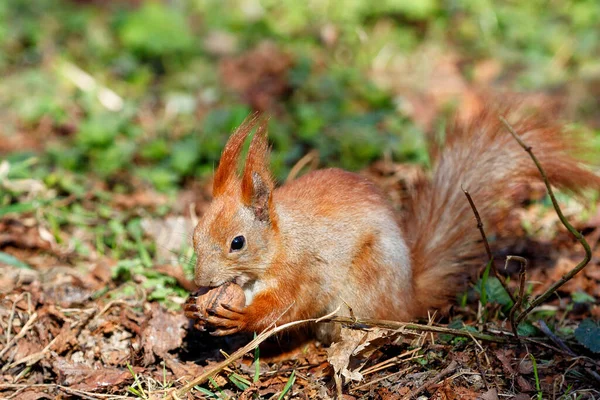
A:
[237,243]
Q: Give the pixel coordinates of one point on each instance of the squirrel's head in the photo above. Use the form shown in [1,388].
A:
[234,239]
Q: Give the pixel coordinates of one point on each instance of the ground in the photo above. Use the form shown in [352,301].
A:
[113,115]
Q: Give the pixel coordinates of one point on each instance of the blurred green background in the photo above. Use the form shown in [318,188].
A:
[114,113]
[152,89]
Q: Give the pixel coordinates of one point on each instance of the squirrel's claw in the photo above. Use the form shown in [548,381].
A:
[192,311]
[233,309]
[224,332]
[226,320]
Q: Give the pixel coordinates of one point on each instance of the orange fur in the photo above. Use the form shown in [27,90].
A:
[330,239]
[484,159]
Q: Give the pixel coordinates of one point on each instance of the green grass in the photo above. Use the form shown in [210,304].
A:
[156,57]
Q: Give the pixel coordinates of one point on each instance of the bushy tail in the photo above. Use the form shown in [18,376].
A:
[483,158]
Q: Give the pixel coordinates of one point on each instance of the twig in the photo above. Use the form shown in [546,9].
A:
[481,371]
[544,328]
[588,252]
[517,305]
[21,333]
[400,326]
[487,245]
[311,158]
[32,358]
[239,354]
[392,361]
[353,323]
[364,385]
[441,375]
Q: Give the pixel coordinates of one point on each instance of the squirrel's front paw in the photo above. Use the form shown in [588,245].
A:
[217,307]
[226,319]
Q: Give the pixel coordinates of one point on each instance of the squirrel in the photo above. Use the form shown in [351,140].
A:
[331,238]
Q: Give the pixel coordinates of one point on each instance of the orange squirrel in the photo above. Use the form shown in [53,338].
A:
[331,238]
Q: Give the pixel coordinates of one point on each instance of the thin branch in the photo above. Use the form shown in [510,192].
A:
[487,245]
[517,305]
[400,326]
[588,252]
[352,323]
[239,354]
[311,159]
[453,366]
[21,333]
[557,341]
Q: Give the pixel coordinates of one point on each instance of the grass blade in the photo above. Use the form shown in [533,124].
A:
[288,385]
[10,260]
[17,208]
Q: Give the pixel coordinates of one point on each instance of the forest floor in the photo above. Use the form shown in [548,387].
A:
[97,206]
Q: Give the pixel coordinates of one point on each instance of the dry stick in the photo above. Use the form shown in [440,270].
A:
[517,305]
[444,373]
[311,159]
[21,333]
[487,245]
[400,326]
[364,385]
[351,322]
[239,354]
[588,252]
[544,328]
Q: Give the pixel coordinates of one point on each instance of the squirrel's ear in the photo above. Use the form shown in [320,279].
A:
[226,173]
[257,183]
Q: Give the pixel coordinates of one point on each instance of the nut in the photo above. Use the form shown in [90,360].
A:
[210,298]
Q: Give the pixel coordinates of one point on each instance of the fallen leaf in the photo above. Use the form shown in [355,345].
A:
[34,394]
[524,384]
[164,332]
[183,370]
[525,367]
[107,378]
[491,394]
[352,342]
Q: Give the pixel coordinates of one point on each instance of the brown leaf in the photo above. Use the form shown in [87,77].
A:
[25,347]
[505,356]
[164,332]
[352,343]
[491,394]
[106,378]
[102,270]
[184,369]
[16,234]
[387,394]
[69,372]
[447,391]
[525,367]
[524,384]
[65,339]
[34,394]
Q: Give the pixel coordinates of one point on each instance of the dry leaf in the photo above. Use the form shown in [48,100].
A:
[164,332]
[352,343]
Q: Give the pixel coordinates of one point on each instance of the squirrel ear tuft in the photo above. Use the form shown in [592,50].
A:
[257,183]
[261,198]
[226,173]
